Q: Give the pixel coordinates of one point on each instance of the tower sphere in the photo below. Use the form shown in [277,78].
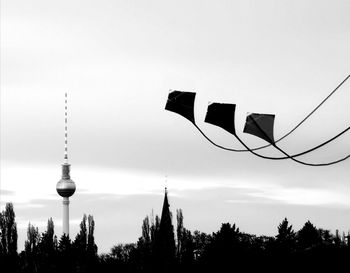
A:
[66,186]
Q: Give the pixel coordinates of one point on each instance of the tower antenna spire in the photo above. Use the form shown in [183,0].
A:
[65,129]
[66,186]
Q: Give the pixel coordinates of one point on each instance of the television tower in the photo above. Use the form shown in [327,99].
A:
[66,186]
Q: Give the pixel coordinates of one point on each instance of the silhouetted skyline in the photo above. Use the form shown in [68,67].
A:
[119,59]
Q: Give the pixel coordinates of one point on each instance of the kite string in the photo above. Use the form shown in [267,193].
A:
[308,116]
[273,158]
[215,144]
[291,131]
[295,155]
[287,156]
[290,157]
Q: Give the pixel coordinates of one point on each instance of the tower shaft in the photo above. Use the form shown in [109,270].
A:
[65,220]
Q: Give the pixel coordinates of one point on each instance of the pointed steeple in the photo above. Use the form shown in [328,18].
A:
[165,241]
[166,214]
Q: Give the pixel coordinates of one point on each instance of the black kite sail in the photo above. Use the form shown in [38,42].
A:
[222,115]
[260,125]
[182,103]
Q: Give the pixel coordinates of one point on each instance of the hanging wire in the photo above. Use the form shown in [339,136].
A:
[308,116]
[287,156]
[287,134]
[290,132]
[274,158]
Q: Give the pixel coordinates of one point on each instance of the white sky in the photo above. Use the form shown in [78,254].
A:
[118,59]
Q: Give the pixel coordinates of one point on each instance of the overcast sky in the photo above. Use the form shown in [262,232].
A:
[118,59]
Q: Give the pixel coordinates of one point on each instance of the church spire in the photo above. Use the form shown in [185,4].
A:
[166,214]
[165,241]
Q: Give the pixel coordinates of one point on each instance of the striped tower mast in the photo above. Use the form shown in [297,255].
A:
[66,186]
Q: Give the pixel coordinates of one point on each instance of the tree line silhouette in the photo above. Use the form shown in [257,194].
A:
[163,248]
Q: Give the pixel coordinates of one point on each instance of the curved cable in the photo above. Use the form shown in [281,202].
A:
[309,115]
[287,156]
[282,151]
[215,144]
[292,158]
[290,132]
[274,158]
